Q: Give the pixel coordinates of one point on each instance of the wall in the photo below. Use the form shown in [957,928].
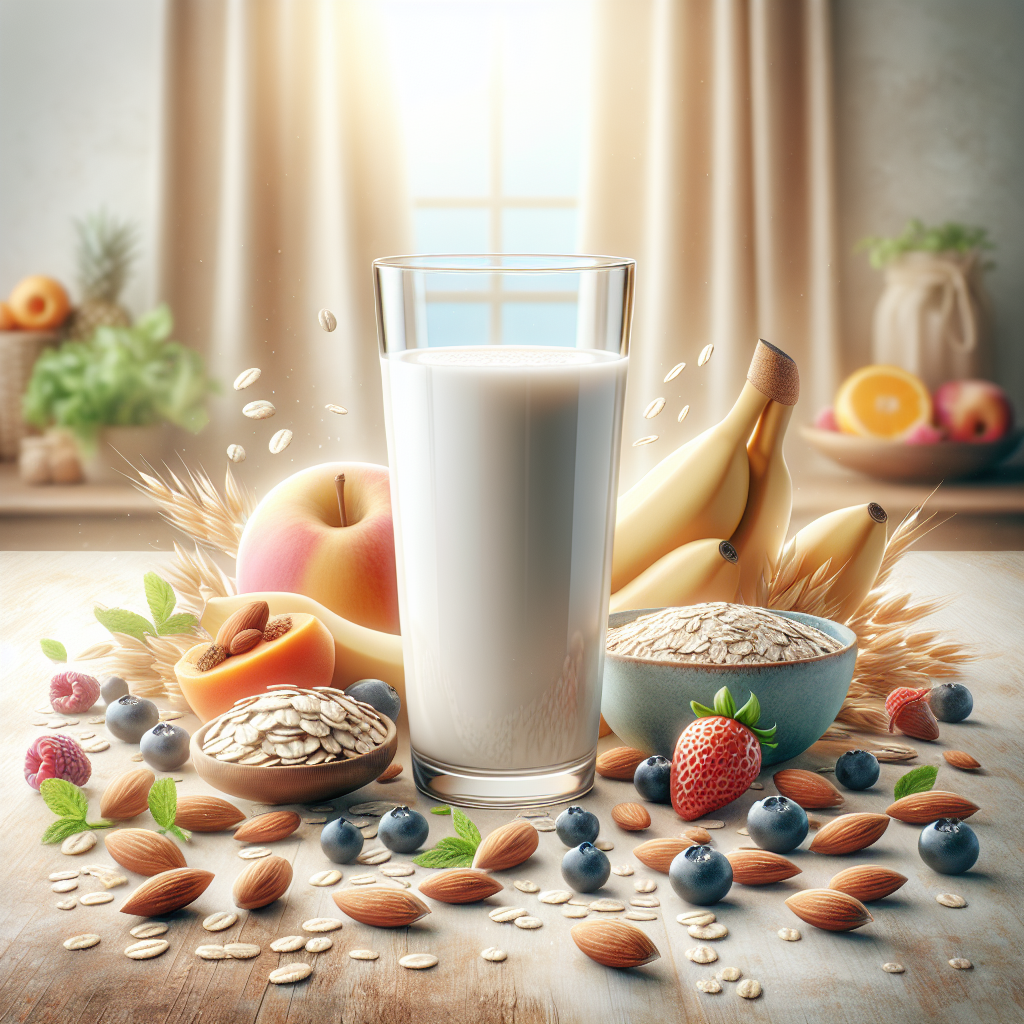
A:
[80,101]
[930,117]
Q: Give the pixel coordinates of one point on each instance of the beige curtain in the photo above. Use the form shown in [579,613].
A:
[711,162]
[283,180]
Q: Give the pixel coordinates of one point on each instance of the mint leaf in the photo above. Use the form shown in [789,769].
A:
[54,650]
[64,798]
[180,833]
[183,622]
[441,809]
[64,828]
[160,596]
[117,620]
[163,802]
[465,828]
[92,825]
[917,780]
[450,852]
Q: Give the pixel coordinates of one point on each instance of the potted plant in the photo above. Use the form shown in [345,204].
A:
[116,390]
[932,316]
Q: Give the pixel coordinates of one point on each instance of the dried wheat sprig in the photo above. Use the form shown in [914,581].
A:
[196,578]
[807,594]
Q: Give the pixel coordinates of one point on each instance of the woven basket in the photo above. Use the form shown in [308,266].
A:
[19,351]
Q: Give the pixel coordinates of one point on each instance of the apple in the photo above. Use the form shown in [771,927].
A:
[924,433]
[973,410]
[294,542]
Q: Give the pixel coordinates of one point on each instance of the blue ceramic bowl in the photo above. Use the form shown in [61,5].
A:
[647,702]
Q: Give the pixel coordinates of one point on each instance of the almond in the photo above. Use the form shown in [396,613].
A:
[245,641]
[460,885]
[960,759]
[127,795]
[924,808]
[658,854]
[867,882]
[829,909]
[143,851]
[916,719]
[808,789]
[631,817]
[507,846]
[206,814]
[699,835]
[760,867]
[381,908]
[619,762]
[262,882]
[269,827]
[250,616]
[392,771]
[614,943]
[167,891]
[849,832]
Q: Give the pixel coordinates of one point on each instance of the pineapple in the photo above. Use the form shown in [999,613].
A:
[106,251]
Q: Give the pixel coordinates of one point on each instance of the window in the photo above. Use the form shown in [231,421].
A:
[492,96]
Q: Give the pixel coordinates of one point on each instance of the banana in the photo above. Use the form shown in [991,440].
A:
[759,538]
[703,570]
[700,490]
[359,652]
[854,538]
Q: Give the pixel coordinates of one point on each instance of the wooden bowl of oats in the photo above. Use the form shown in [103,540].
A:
[659,659]
[292,745]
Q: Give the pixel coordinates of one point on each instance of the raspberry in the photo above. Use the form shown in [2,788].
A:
[71,693]
[56,757]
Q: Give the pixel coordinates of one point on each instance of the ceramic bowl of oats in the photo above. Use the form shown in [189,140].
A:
[659,659]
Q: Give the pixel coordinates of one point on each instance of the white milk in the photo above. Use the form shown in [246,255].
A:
[504,471]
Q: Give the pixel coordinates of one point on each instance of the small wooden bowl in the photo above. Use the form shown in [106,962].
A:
[293,783]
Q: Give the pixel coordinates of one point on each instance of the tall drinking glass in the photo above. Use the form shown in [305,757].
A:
[504,379]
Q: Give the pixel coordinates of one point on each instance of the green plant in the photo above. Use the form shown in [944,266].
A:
[120,376]
[918,237]
[161,599]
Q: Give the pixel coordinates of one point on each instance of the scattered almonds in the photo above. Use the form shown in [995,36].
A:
[715,930]
[290,973]
[962,760]
[323,878]
[220,921]
[321,924]
[254,852]
[555,896]
[93,899]
[710,985]
[960,963]
[702,955]
[505,914]
[319,944]
[148,930]
[523,885]
[363,954]
[606,906]
[494,954]
[623,870]
[89,940]
[418,961]
[146,949]
[789,934]
[698,835]
[529,923]
[893,968]
[392,771]
[696,917]
[748,988]
[950,899]
[288,943]
[729,974]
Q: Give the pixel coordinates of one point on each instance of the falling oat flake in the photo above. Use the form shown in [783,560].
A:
[649,439]
[247,377]
[280,441]
[682,415]
[705,354]
[328,321]
[236,453]
[338,410]
[674,372]
[654,408]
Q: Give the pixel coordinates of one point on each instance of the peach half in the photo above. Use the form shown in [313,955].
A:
[304,656]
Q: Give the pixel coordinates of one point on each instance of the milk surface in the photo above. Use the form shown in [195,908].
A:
[504,471]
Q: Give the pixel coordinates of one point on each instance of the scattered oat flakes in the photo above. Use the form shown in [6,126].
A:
[494,954]
[169,716]
[107,875]
[645,901]
[813,822]
[259,410]
[527,922]
[369,831]
[645,885]
[705,354]
[362,880]
[555,896]
[697,917]
[418,961]
[756,785]
[571,911]
[674,372]
[702,955]
[578,901]
[148,930]
[505,914]
[323,878]
[137,757]
[319,944]
[605,845]
[363,954]
[95,746]
[63,876]
[320,808]
[280,441]
[748,988]
[641,441]
[378,855]
[960,963]
[640,915]
[212,952]
[290,973]
[288,943]
[338,410]
[893,968]
[624,870]
[87,941]
[397,870]
[328,321]
[254,852]
[85,735]
[97,720]
[94,899]
[524,885]
[715,930]
[708,823]
[314,821]
[789,934]
[374,808]
[321,924]
[729,974]
[544,824]
[220,921]
[236,453]
[247,377]
[950,899]
[146,949]
[68,904]
[709,985]
[606,906]
[653,408]
[743,831]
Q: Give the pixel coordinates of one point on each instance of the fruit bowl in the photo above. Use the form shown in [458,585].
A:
[294,783]
[919,463]
[647,702]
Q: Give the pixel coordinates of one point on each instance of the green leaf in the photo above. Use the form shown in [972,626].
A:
[183,622]
[917,780]
[64,798]
[441,809]
[450,852]
[160,596]
[54,650]
[750,713]
[163,802]
[63,828]
[724,704]
[117,620]
[99,824]
[702,710]
[465,828]
[180,833]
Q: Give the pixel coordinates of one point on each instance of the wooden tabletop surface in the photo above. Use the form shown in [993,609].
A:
[824,977]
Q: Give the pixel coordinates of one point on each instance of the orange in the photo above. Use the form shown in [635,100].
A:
[39,303]
[882,401]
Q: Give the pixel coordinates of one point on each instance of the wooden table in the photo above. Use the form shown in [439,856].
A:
[823,978]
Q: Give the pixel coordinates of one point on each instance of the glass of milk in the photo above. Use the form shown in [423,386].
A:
[504,378]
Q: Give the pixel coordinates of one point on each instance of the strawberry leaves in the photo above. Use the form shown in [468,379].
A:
[748,715]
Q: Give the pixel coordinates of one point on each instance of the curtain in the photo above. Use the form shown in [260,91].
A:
[711,162]
[283,179]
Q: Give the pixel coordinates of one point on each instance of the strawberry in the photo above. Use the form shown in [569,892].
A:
[718,756]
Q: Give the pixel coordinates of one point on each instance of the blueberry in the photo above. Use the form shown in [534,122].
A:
[403,830]
[585,868]
[165,746]
[857,769]
[701,875]
[379,695]
[575,825]
[948,846]
[341,841]
[113,687]
[129,717]
[951,702]
[777,824]
[651,779]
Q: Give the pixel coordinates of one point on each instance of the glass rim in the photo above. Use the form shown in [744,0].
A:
[491,263]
